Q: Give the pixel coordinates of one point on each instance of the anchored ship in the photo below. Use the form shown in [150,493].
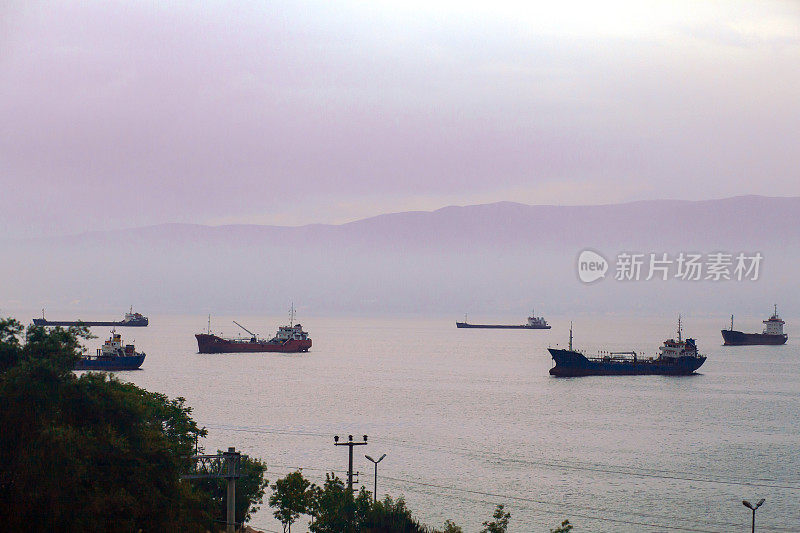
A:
[772,334]
[288,339]
[113,355]
[676,357]
[534,322]
[131,320]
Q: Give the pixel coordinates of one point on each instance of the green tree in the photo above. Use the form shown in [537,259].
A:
[449,527]
[250,488]
[390,515]
[334,509]
[330,507]
[500,522]
[292,496]
[89,453]
[565,527]
[10,350]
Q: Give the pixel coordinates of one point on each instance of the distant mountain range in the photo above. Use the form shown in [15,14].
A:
[498,256]
[755,220]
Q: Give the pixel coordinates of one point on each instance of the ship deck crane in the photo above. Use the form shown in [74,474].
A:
[247,330]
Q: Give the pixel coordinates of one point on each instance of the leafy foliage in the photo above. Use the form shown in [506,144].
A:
[500,522]
[449,527]
[565,527]
[390,515]
[292,496]
[334,510]
[91,453]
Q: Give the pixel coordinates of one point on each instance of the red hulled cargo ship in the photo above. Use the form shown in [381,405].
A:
[288,339]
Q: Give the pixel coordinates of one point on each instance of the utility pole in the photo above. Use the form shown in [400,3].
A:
[231,460]
[350,445]
[220,466]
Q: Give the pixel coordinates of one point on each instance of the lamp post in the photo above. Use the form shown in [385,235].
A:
[375,462]
[753,507]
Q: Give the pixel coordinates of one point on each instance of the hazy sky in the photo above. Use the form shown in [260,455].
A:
[119,114]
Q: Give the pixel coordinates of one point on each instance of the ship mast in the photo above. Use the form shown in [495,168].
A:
[679,329]
[570,336]
[291,316]
[209,324]
[731,322]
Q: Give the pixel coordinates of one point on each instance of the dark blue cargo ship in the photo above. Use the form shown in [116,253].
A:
[772,335]
[676,358]
[112,356]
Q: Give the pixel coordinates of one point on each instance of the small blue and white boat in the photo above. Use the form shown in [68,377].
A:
[113,355]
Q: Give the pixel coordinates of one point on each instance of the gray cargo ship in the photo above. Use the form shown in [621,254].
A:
[131,319]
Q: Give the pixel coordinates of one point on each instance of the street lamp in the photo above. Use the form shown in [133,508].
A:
[753,507]
[375,492]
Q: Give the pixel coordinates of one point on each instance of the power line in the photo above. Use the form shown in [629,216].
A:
[613,469]
[569,506]
[595,467]
[607,469]
[572,514]
[558,509]
[473,452]
[545,502]
[551,512]
[592,467]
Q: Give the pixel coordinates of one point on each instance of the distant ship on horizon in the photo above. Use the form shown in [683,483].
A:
[676,358]
[772,335]
[288,339]
[534,322]
[131,319]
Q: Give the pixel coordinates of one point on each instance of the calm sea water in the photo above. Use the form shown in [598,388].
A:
[471,418]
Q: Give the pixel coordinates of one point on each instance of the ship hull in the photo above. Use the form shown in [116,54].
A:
[123,323]
[213,344]
[132,362]
[737,338]
[573,364]
[498,326]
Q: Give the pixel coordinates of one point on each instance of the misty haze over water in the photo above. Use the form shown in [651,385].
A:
[498,259]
